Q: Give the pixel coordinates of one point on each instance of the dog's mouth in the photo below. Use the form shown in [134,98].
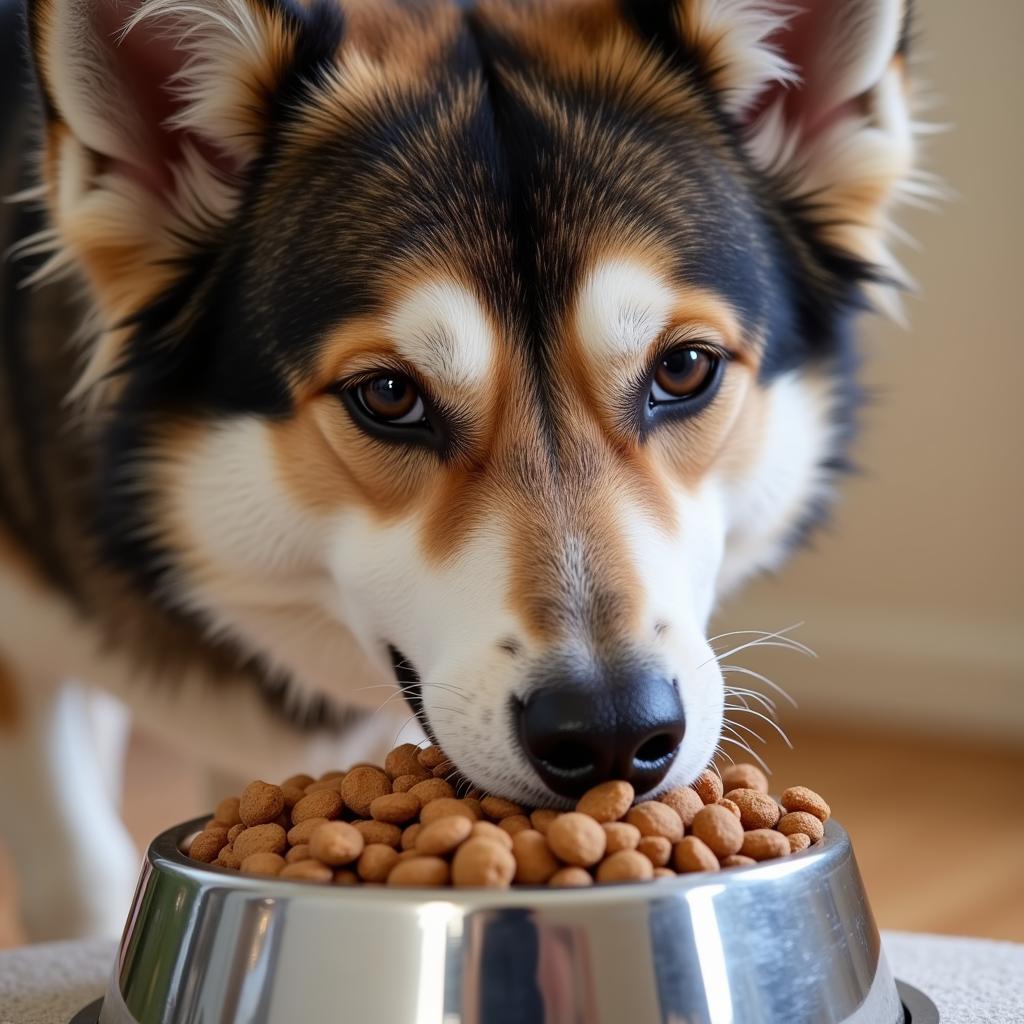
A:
[408,680]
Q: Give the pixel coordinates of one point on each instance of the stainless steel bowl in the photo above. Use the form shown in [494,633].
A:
[786,942]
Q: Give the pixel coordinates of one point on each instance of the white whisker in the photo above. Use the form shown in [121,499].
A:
[742,670]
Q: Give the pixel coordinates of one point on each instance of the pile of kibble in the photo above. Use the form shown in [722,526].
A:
[404,825]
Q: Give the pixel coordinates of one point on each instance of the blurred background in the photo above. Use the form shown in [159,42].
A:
[911,719]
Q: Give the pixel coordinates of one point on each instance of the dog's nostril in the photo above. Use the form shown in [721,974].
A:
[569,756]
[656,748]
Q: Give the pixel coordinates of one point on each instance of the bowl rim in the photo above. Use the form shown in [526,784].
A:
[165,854]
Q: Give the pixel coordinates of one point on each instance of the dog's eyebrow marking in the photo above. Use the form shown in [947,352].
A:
[622,307]
[441,328]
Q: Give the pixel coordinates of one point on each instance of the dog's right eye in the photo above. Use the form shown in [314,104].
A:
[390,406]
[391,398]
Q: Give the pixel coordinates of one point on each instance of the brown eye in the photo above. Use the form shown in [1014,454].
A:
[391,398]
[684,372]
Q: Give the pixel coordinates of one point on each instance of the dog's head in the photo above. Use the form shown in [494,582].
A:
[486,345]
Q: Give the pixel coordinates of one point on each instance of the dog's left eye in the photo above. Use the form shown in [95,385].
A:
[391,398]
[682,374]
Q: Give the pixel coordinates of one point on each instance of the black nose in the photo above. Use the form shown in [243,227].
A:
[577,736]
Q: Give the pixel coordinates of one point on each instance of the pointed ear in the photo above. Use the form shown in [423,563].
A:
[155,111]
[820,88]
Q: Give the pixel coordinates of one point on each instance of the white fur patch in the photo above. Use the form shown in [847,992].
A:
[441,328]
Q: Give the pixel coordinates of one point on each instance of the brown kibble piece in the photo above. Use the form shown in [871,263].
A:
[737,860]
[395,808]
[496,808]
[299,834]
[227,811]
[269,838]
[474,805]
[764,844]
[336,843]
[483,863]
[300,852]
[798,841]
[260,803]
[800,798]
[684,801]
[405,782]
[517,823]
[731,806]
[654,818]
[664,873]
[361,787]
[403,760]
[307,871]
[346,876]
[419,871]
[326,803]
[708,786]
[744,776]
[693,854]
[207,845]
[431,757]
[444,807]
[333,784]
[488,830]
[409,835]
[535,863]
[621,836]
[235,831]
[577,839]
[541,819]
[608,801]
[719,829]
[268,864]
[657,849]
[292,795]
[432,789]
[379,832]
[334,773]
[801,821]
[376,862]
[442,836]
[570,878]
[227,858]
[300,781]
[625,866]
[757,810]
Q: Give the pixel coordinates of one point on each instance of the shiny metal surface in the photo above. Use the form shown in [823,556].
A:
[786,942]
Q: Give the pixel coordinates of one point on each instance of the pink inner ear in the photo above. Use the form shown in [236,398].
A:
[146,61]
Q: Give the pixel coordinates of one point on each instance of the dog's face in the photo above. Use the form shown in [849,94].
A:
[503,341]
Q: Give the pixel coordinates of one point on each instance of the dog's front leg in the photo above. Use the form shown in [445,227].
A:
[74,862]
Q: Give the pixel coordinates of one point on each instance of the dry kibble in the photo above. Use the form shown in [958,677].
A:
[664,873]
[307,871]
[431,757]
[541,819]
[684,801]
[744,776]
[395,808]
[362,786]
[269,838]
[535,863]
[375,862]
[708,786]
[654,818]
[407,855]
[405,782]
[625,866]
[432,789]
[798,841]
[227,858]
[299,834]
[409,836]
[444,807]
[300,781]
[403,760]
[207,845]
[292,795]
[620,836]
[322,784]
[300,852]
[336,843]
[800,798]
[260,803]
[379,832]
[657,849]
[577,839]
[517,823]
[268,864]
[495,808]
[570,878]
[764,844]
[227,811]
[326,803]
[235,831]
[801,821]
[335,773]
[719,829]
[730,805]
[442,836]
[607,802]
[488,830]
[693,854]
[757,810]
[475,806]
[483,863]
[420,871]
[737,860]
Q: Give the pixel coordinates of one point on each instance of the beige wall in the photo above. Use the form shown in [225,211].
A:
[915,598]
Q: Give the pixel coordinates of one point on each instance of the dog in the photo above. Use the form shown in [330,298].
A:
[469,352]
